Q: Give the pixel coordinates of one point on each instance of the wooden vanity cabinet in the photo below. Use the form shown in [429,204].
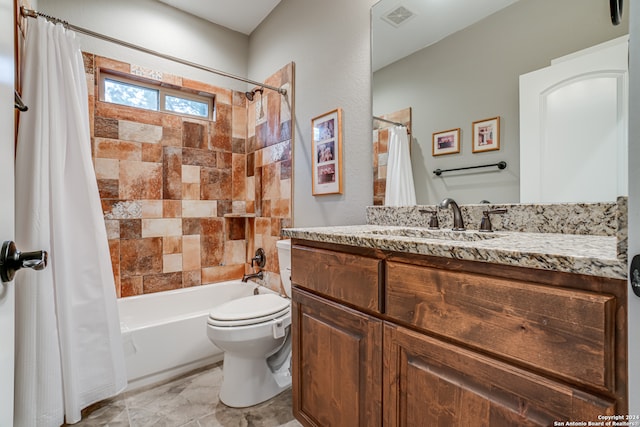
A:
[337,364]
[435,341]
[430,382]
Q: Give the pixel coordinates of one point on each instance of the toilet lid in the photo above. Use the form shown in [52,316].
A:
[249,310]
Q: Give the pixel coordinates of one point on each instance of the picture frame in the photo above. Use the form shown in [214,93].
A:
[446,142]
[326,152]
[486,135]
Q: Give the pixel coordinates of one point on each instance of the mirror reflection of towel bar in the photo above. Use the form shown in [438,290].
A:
[499,165]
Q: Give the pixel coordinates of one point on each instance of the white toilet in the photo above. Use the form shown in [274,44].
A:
[254,333]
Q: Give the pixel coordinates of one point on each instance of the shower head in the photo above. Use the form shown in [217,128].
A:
[251,94]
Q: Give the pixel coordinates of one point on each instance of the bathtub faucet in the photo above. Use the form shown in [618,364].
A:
[258,275]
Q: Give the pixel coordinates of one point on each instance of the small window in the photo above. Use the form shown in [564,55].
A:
[186,106]
[151,96]
[132,95]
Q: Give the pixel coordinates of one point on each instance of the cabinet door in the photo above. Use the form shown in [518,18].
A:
[337,364]
[428,382]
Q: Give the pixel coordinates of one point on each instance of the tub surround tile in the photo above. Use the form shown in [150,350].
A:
[167,181]
[171,263]
[113,229]
[172,244]
[222,273]
[116,149]
[140,180]
[221,133]
[130,229]
[138,70]
[161,227]
[108,188]
[105,128]
[139,132]
[191,191]
[152,153]
[161,282]
[171,136]
[107,168]
[190,174]
[172,173]
[139,257]
[151,208]
[193,135]
[114,251]
[199,208]
[197,157]
[191,253]
[239,122]
[171,208]
[224,207]
[191,278]
[131,286]
[122,209]
[123,112]
[212,250]
[235,252]
[111,64]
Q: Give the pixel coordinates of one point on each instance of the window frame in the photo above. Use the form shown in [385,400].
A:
[163,91]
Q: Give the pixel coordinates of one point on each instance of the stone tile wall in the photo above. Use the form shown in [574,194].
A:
[179,193]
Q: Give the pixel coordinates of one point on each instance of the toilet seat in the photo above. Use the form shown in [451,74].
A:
[249,310]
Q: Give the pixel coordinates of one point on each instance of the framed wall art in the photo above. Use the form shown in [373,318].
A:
[446,142]
[486,135]
[327,153]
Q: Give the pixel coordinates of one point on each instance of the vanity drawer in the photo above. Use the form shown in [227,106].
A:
[567,333]
[348,278]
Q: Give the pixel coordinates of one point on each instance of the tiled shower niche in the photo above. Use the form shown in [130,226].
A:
[186,201]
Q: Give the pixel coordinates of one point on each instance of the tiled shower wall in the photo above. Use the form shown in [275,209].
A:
[185,200]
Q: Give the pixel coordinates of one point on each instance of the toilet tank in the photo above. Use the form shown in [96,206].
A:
[284,260]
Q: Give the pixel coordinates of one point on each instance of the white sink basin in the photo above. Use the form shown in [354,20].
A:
[442,234]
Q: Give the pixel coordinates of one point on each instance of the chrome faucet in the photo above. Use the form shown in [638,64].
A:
[458,223]
[258,275]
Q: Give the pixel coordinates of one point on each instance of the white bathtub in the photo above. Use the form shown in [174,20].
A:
[164,334]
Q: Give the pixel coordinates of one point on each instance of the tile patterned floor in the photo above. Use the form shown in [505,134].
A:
[189,401]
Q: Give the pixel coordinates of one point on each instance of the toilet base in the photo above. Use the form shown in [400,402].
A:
[247,381]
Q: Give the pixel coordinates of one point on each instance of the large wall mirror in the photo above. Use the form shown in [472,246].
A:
[457,62]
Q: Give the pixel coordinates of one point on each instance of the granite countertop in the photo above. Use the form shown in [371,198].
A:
[572,253]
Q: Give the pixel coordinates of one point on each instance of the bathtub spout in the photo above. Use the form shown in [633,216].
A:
[258,275]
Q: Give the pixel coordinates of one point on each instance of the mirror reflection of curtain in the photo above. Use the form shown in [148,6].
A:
[400,189]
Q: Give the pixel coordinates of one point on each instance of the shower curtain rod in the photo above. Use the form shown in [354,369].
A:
[34,14]
[388,121]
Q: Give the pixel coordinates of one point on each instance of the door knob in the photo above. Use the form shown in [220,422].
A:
[634,275]
[12,260]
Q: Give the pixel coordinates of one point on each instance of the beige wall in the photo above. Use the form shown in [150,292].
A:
[329,41]
[473,75]
[162,28]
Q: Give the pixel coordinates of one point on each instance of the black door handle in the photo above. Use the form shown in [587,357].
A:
[12,260]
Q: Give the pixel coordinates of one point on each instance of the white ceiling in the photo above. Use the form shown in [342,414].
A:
[239,15]
[433,20]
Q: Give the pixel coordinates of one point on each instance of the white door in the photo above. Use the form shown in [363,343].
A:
[634,202]
[6,207]
[573,127]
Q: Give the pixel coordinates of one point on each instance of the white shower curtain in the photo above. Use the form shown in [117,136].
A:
[400,189]
[68,344]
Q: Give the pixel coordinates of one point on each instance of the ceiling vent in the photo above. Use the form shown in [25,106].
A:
[398,16]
